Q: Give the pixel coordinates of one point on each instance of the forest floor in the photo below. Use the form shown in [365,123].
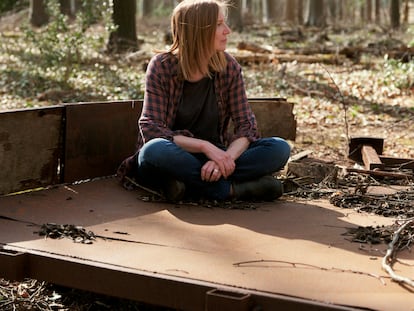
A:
[367,93]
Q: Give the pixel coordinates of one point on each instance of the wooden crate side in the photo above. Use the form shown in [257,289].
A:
[98,137]
[30,148]
[93,141]
[275,117]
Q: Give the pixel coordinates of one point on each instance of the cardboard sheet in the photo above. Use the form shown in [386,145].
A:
[294,248]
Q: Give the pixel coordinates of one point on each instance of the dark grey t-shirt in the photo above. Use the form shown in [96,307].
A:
[198,111]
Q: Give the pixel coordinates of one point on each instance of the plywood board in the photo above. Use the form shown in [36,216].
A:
[30,148]
[275,117]
[289,248]
[98,137]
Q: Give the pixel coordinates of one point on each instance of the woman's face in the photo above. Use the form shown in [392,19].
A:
[221,33]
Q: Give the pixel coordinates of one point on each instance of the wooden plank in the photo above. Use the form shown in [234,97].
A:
[402,163]
[98,137]
[274,117]
[371,158]
[30,148]
[160,254]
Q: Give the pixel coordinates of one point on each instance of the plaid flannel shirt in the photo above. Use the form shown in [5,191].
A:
[163,92]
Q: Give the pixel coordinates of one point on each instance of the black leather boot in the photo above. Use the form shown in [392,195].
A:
[173,190]
[266,188]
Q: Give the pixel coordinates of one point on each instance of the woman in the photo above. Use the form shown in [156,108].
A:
[192,92]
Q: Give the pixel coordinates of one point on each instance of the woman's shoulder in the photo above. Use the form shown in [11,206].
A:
[231,61]
[165,58]
[163,62]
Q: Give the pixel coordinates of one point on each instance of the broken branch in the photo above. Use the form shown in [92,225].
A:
[390,254]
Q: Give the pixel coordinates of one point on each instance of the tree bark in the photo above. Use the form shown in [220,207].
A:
[235,16]
[147,7]
[316,13]
[378,11]
[332,9]
[368,10]
[37,13]
[290,11]
[300,7]
[406,11]
[69,7]
[124,38]
[395,13]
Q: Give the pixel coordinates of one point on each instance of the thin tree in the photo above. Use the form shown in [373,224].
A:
[406,11]
[147,7]
[235,16]
[124,37]
[316,13]
[378,11]
[290,11]
[395,14]
[368,10]
[37,13]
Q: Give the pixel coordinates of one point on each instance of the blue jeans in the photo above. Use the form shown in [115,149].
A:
[161,159]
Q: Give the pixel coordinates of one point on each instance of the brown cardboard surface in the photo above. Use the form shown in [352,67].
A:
[284,247]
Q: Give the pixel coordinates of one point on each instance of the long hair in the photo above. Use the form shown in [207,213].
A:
[193,27]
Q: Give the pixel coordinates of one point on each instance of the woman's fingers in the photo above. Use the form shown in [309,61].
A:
[210,172]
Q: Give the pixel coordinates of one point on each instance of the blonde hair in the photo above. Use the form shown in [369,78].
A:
[193,27]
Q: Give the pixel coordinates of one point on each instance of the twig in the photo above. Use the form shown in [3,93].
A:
[142,187]
[342,101]
[388,259]
[296,264]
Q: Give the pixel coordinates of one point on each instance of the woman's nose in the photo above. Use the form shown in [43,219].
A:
[227,30]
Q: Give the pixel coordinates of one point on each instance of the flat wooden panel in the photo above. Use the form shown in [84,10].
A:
[98,137]
[29,148]
[160,254]
[275,117]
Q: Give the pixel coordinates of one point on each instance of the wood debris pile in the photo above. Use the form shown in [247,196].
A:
[76,233]
[28,295]
[399,204]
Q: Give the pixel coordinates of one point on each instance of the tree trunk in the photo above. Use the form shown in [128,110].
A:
[300,11]
[273,12]
[124,38]
[368,11]
[290,11]
[332,10]
[316,13]
[147,7]
[406,11]
[37,13]
[235,16]
[265,11]
[69,7]
[340,9]
[378,11]
[395,14]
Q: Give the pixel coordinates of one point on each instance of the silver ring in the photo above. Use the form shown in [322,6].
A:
[215,170]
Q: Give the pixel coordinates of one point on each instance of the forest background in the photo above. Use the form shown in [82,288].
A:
[347,65]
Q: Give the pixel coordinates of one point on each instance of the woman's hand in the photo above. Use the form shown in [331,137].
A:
[210,172]
[222,160]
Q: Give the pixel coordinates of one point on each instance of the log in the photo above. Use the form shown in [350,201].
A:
[379,173]
[332,59]
[252,47]
[262,58]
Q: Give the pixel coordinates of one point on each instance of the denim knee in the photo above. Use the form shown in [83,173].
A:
[152,150]
[278,147]
[282,148]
